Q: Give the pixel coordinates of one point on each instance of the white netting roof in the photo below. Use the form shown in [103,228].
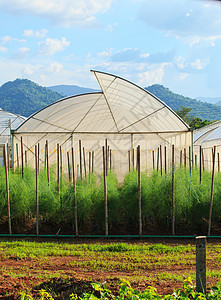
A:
[9,120]
[121,107]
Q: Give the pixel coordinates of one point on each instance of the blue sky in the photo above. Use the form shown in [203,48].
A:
[176,43]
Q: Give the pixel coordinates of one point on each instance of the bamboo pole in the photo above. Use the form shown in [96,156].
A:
[181,157]
[165,158]
[110,159]
[139,191]
[212,188]
[22,159]
[195,161]
[158,152]
[173,194]
[218,162]
[106,156]
[74,190]
[37,202]
[58,167]
[38,157]
[17,155]
[7,191]
[61,176]
[184,157]
[92,163]
[69,167]
[84,159]
[26,159]
[153,159]
[200,166]
[80,159]
[129,160]
[161,161]
[203,160]
[47,163]
[89,164]
[190,167]
[133,158]
[105,192]
[8,158]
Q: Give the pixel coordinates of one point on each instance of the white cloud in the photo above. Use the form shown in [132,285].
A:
[182,76]
[54,67]
[7,39]
[28,71]
[35,33]
[154,75]
[51,46]
[61,12]
[198,64]
[105,53]
[3,49]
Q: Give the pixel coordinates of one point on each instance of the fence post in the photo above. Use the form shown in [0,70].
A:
[201,264]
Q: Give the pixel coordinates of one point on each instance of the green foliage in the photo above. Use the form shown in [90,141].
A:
[201,110]
[126,292]
[25,97]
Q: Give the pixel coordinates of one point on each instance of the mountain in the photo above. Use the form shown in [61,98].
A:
[25,97]
[70,90]
[216,100]
[202,110]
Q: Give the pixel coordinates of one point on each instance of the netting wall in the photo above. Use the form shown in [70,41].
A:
[120,150]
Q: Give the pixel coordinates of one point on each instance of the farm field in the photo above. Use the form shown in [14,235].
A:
[63,267]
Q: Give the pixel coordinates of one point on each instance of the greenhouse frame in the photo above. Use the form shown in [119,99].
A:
[121,116]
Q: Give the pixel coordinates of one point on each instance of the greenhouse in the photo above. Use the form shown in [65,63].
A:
[122,116]
[204,140]
[8,122]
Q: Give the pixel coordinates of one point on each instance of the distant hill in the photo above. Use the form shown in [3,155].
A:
[25,97]
[202,110]
[70,90]
[216,100]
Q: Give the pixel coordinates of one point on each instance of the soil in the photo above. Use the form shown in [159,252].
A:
[78,280]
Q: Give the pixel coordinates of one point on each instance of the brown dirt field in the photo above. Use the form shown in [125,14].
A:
[64,278]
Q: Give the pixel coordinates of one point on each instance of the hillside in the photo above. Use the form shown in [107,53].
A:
[70,90]
[202,110]
[25,97]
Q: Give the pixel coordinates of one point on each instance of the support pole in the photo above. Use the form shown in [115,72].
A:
[173,194]
[153,159]
[200,166]
[17,156]
[85,167]
[161,161]
[7,191]
[129,160]
[139,191]
[47,163]
[80,159]
[190,167]
[212,187]
[75,196]
[92,163]
[181,157]
[165,158]
[22,159]
[105,192]
[201,264]
[184,157]
[37,202]
[58,167]
[69,167]
[61,176]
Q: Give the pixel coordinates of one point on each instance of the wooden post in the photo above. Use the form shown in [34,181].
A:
[22,159]
[133,158]
[200,167]
[38,157]
[129,159]
[106,156]
[7,191]
[89,165]
[69,167]
[218,162]
[161,162]
[173,194]
[105,192]
[139,191]
[26,159]
[203,160]
[80,159]
[212,187]
[190,167]
[195,161]
[47,162]
[61,176]
[37,202]
[165,158]
[157,159]
[201,264]
[58,167]
[185,157]
[153,159]
[74,190]
[110,159]
[8,158]
[92,163]
[84,159]
[17,155]
[181,157]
